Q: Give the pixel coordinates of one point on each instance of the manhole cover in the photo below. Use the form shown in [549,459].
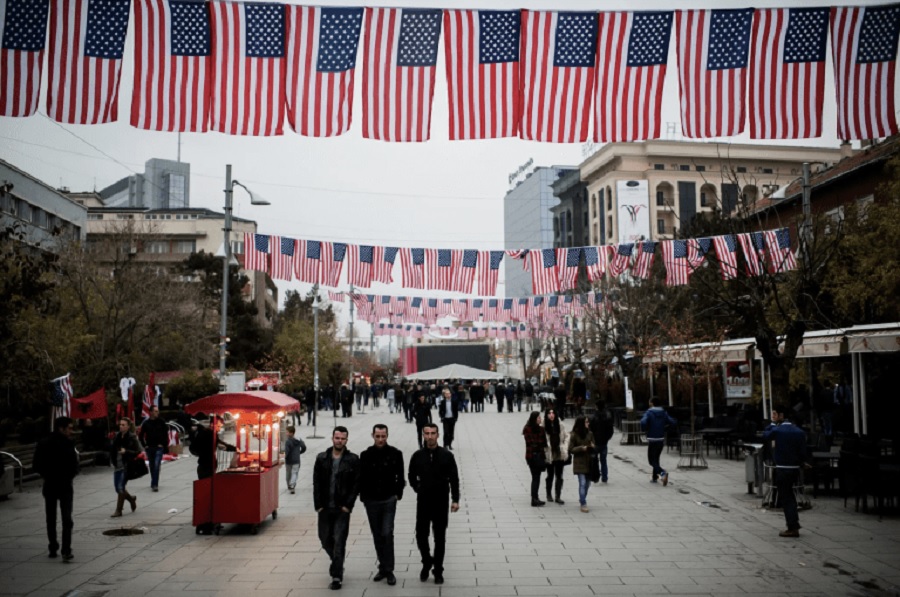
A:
[123,532]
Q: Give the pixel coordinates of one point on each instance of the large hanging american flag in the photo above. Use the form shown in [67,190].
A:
[256,251]
[283,250]
[726,252]
[712,70]
[399,57]
[864,50]
[675,258]
[413,263]
[595,261]
[568,260]
[359,265]
[171,65]
[778,244]
[332,262]
[482,57]
[644,260]
[23,31]
[465,274]
[87,39]
[621,260]
[308,261]
[787,72]
[697,250]
[559,50]
[321,55]
[383,264]
[544,274]
[61,396]
[633,50]
[753,245]
[441,265]
[248,73]
[488,270]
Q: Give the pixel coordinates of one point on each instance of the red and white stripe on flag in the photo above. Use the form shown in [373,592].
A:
[359,265]
[21,55]
[488,271]
[726,252]
[753,246]
[778,246]
[248,68]
[62,396]
[632,50]
[399,58]
[86,45]
[412,262]
[283,251]
[567,261]
[333,256]
[864,52]
[321,54]
[787,72]
[481,48]
[675,258]
[712,58]
[308,261]
[544,273]
[558,69]
[596,260]
[256,251]
[171,66]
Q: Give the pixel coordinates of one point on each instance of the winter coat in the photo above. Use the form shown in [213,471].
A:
[563,445]
[347,488]
[655,422]
[581,449]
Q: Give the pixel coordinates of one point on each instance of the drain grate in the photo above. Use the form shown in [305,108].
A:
[123,532]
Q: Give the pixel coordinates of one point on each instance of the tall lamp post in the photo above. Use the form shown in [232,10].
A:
[223,327]
[315,309]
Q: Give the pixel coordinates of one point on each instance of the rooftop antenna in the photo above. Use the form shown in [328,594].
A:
[179,147]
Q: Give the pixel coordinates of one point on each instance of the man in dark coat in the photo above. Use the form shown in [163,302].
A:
[56,461]
[448,409]
[789,454]
[381,484]
[602,427]
[154,436]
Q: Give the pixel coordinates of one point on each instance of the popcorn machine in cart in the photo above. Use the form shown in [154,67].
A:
[244,490]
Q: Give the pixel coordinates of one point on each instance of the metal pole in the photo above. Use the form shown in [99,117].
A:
[863,409]
[806,231]
[350,378]
[315,308]
[223,327]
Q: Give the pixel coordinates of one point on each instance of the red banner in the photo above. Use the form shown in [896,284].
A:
[92,406]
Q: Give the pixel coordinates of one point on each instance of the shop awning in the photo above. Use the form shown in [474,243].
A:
[704,352]
[255,402]
[874,340]
[826,343]
[455,371]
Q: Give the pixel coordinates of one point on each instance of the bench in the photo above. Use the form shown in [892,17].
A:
[17,460]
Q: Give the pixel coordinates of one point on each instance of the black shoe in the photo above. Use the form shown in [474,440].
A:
[67,557]
[423,575]
[438,578]
[52,554]
[379,577]
[335,584]
[391,579]
[537,503]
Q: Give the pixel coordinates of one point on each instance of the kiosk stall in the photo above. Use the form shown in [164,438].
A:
[244,490]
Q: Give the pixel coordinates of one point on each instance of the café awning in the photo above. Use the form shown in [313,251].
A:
[874,338]
[703,352]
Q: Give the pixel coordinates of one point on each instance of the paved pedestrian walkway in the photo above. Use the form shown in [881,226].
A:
[638,539]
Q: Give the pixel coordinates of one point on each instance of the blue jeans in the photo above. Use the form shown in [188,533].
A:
[120,480]
[583,485]
[602,451]
[381,523]
[334,526]
[154,459]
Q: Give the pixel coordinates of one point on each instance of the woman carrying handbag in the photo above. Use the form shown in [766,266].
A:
[535,453]
[125,449]
[581,445]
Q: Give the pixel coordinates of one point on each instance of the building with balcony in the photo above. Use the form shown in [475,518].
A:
[571,217]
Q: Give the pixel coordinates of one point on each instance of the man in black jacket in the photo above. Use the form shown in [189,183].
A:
[602,427]
[432,475]
[335,487]
[154,435]
[381,486]
[56,461]
[448,409]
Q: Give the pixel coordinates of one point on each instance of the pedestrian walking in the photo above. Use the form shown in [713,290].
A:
[581,446]
[654,423]
[510,392]
[448,409]
[381,484]
[293,447]
[125,448]
[335,488]
[529,394]
[309,400]
[603,429]
[56,461]
[422,415]
[154,435]
[500,392]
[535,453]
[391,395]
[476,394]
[789,454]
[557,454]
[433,475]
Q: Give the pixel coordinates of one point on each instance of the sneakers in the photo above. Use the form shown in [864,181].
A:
[438,578]
[585,509]
[68,557]
[423,575]
[335,584]
[665,479]
[786,533]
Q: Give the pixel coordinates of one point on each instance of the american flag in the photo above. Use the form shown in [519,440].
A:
[413,309]
[248,73]
[633,50]
[367,307]
[754,245]
[151,397]
[359,265]
[87,39]
[504,313]
[61,396]
[417,332]
[23,31]
[399,57]
[482,56]
[558,58]
[382,306]
[621,260]
[442,264]
[488,270]
[521,255]
[536,309]
[429,310]
[256,251]
[712,70]
[445,307]
[321,55]
[383,264]
[282,258]
[644,260]
[568,267]
[520,308]
[726,251]
[492,313]
[476,309]
[465,275]
[787,72]
[697,250]
[675,258]
[171,65]
[544,274]
[332,262]
[596,260]
[413,263]
[864,51]
[308,261]
[781,258]
[336,297]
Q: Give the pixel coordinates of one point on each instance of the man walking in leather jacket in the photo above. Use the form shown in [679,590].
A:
[381,484]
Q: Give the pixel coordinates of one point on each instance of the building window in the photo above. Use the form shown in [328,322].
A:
[24,211]
[95,216]
[175,190]
[660,199]
[700,168]
[684,167]
[660,226]
[39,218]
[156,247]
[608,199]
[659,166]
[767,171]
[702,198]
[237,247]
[184,246]
[124,216]
[609,227]
[742,169]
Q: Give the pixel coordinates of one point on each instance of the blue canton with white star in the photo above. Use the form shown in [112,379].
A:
[625,249]
[729,39]
[507,304]
[26,25]
[444,258]
[492,303]
[418,256]
[878,35]
[649,41]
[703,246]
[261,242]
[496,258]
[784,238]
[759,240]
[500,32]
[679,249]
[591,256]
[366,253]
[470,258]
[576,39]
[338,39]
[287,247]
[807,32]
[548,257]
[190,31]
[573,256]
[390,254]
[265,30]
[339,250]
[420,31]
[107,23]
[313,249]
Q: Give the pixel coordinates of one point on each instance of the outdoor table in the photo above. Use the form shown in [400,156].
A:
[827,461]
[714,433]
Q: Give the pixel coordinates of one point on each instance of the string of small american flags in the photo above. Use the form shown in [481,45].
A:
[243,68]
[552,270]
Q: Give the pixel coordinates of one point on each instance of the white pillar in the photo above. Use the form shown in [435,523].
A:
[863,399]
[762,383]
[854,357]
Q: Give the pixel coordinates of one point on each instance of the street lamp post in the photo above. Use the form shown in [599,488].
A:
[315,308]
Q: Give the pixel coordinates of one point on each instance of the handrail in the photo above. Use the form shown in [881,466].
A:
[21,470]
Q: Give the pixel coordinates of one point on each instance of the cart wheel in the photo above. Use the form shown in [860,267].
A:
[196,530]
[217,529]
[274,514]
[254,530]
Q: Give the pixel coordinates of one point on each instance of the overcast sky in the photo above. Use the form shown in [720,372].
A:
[433,194]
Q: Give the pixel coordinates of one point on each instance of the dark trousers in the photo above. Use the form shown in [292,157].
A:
[432,513]
[154,459]
[65,496]
[381,523]
[603,452]
[536,468]
[785,479]
[334,526]
[555,469]
[449,427]
[654,451]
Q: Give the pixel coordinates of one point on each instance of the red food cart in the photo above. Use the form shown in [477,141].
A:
[244,490]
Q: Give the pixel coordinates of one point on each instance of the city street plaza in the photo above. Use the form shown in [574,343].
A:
[701,535]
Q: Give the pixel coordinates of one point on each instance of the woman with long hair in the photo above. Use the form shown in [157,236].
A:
[581,445]
[125,447]
[557,453]
[535,453]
